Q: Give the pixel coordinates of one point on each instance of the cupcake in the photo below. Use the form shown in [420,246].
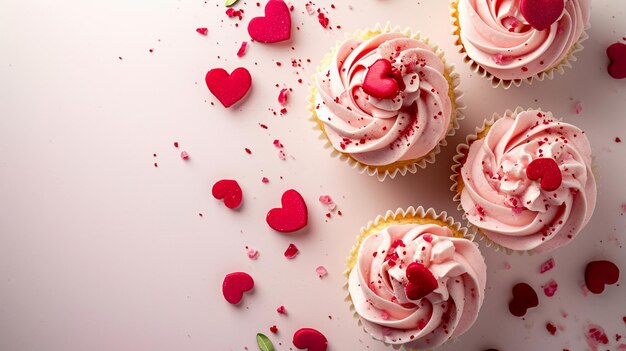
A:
[415,279]
[511,41]
[525,181]
[385,100]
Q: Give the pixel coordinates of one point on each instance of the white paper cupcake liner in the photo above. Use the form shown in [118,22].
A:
[507,83]
[400,216]
[400,167]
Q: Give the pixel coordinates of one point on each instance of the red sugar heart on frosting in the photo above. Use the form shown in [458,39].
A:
[524,297]
[379,80]
[600,273]
[275,26]
[421,281]
[617,55]
[229,190]
[548,171]
[292,216]
[310,339]
[235,284]
[228,88]
[540,14]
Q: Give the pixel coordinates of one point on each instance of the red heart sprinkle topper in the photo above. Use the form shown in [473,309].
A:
[235,284]
[617,55]
[228,88]
[600,273]
[540,14]
[547,170]
[310,339]
[379,80]
[292,216]
[524,297]
[230,191]
[421,281]
[275,26]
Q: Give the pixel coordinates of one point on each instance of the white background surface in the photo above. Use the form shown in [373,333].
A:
[100,250]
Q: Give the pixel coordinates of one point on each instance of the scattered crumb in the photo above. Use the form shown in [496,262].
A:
[321,271]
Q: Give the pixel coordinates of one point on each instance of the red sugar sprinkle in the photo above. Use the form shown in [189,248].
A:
[291,252]
[248,151]
[274,329]
[203,31]
[184,155]
[618,140]
[595,335]
[323,20]
[281,310]
[547,265]
[549,288]
[551,328]
[282,97]
[278,144]
[242,49]
[176,144]
[265,180]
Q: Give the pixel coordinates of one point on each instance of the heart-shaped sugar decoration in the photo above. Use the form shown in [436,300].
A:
[228,88]
[310,339]
[421,281]
[379,80]
[524,297]
[600,273]
[229,190]
[235,284]
[275,26]
[292,216]
[547,170]
[540,14]
[617,65]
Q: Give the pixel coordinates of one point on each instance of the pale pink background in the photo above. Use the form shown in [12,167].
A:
[99,250]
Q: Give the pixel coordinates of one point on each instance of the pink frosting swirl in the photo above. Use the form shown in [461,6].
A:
[496,35]
[517,212]
[382,131]
[378,280]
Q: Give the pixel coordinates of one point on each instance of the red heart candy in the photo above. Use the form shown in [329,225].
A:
[524,297]
[617,55]
[542,13]
[292,216]
[310,339]
[421,281]
[547,170]
[235,284]
[228,88]
[379,80]
[599,273]
[275,26]
[228,190]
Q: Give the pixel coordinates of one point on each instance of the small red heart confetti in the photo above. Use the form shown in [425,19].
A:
[540,14]
[421,281]
[547,170]
[228,88]
[230,191]
[203,31]
[524,297]
[275,26]
[292,216]
[291,252]
[281,310]
[235,284]
[600,273]
[617,56]
[379,81]
[310,339]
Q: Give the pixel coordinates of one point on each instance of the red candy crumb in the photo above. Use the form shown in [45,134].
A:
[547,265]
[242,49]
[203,31]
[549,288]
[248,151]
[282,96]
[176,144]
[551,328]
[292,251]
[595,335]
[274,329]
[323,20]
[184,155]
[265,180]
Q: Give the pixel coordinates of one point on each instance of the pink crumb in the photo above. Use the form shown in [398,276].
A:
[501,59]
[242,49]
[321,271]
[547,265]
[203,31]
[253,254]
[184,155]
[578,108]
[278,144]
[281,310]
[265,180]
[507,265]
[551,328]
[549,288]
[281,155]
[282,96]
[291,252]
[384,315]
[595,335]
[310,8]
[328,201]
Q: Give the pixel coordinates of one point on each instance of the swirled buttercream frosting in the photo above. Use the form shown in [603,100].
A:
[497,36]
[527,184]
[417,285]
[406,121]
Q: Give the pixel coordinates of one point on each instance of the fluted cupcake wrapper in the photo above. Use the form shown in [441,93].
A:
[507,83]
[400,167]
[411,215]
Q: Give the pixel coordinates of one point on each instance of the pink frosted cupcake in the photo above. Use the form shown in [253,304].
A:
[510,41]
[415,279]
[525,181]
[385,101]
